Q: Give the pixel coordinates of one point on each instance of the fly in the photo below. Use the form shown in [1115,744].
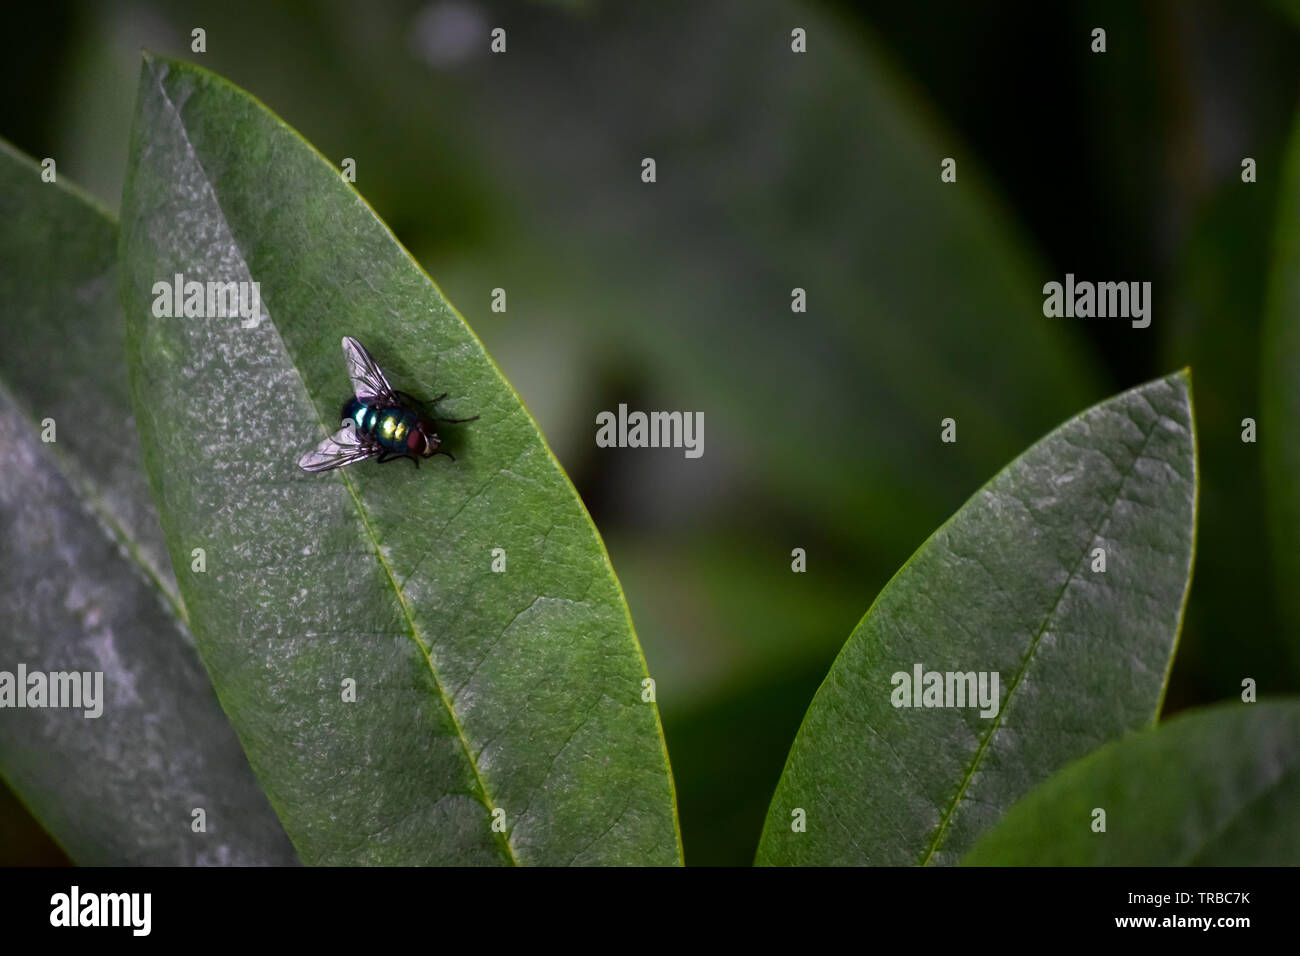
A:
[378,422]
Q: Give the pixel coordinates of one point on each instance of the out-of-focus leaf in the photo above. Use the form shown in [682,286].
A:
[1214,325]
[84,581]
[1279,420]
[728,751]
[814,171]
[1009,585]
[1217,787]
[738,675]
[1289,8]
[483,698]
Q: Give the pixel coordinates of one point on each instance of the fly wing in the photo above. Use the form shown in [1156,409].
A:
[342,448]
[368,381]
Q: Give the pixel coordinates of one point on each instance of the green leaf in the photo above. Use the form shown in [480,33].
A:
[1007,585]
[1216,787]
[476,691]
[1279,418]
[84,581]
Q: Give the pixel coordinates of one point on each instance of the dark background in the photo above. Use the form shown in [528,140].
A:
[522,171]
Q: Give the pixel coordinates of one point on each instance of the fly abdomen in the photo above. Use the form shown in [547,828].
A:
[389,426]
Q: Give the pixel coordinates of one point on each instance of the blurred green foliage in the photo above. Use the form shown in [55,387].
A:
[521,171]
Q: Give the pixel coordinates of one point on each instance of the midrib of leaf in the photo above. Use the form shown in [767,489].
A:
[425,650]
[65,466]
[414,634]
[1029,654]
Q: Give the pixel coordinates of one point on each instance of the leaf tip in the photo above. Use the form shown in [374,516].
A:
[1180,379]
[152,64]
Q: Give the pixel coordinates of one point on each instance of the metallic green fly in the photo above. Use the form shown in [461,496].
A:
[378,421]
